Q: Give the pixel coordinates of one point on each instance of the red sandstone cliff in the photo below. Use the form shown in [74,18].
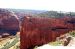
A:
[39,31]
[8,21]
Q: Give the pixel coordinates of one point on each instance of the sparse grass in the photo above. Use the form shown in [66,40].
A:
[56,43]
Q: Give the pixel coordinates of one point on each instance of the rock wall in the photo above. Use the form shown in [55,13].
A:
[8,21]
[39,31]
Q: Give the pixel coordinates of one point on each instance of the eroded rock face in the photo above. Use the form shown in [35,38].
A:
[8,22]
[39,31]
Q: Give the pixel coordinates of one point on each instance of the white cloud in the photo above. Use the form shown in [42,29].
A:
[58,5]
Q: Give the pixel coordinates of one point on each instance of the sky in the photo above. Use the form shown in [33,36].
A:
[55,5]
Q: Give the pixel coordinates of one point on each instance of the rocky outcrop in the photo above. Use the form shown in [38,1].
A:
[37,31]
[8,22]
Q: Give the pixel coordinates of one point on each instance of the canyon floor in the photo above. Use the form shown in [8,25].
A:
[10,42]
